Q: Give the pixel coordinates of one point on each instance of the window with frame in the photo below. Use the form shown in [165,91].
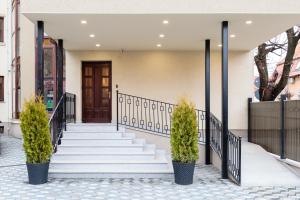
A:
[1,29]
[1,88]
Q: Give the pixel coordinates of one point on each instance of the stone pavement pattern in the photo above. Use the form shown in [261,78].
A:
[207,184]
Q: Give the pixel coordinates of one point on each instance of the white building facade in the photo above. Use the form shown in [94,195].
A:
[149,58]
[142,48]
[6,69]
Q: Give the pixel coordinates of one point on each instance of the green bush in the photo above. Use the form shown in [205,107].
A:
[184,134]
[35,130]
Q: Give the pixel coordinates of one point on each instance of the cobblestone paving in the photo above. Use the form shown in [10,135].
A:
[207,184]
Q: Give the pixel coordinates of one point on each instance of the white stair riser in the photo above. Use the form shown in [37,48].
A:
[97,136]
[95,128]
[103,157]
[112,175]
[70,142]
[110,167]
[94,150]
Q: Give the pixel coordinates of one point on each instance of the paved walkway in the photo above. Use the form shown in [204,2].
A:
[207,184]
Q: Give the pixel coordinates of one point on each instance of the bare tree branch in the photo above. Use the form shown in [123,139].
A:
[270,88]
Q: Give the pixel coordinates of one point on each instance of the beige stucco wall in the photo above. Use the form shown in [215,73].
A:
[158,6]
[165,75]
[27,52]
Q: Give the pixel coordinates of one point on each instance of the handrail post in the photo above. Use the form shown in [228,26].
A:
[117,91]
[65,111]
[282,128]
[74,108]
[249,120]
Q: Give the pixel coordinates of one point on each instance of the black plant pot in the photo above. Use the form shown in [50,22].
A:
[183,172]
[37,173]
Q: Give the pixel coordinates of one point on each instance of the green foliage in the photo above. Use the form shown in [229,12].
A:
[36,133]
[184,134]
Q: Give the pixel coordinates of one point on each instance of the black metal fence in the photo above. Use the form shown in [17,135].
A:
[151,115]
[275,125]
[64,112]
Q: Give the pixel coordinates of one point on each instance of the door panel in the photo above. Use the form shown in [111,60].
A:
[96,90]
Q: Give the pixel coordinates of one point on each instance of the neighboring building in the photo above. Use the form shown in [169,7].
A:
[5,64]
[292,90]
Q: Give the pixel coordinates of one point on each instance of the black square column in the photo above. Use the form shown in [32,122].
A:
[207,103]
[59,69]
[224,99]
[39,66]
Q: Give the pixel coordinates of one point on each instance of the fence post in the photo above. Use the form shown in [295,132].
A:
[117,109]
[282,128]
[249,120]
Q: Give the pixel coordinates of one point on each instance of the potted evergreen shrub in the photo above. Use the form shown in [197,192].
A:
[184,141]
[36,140]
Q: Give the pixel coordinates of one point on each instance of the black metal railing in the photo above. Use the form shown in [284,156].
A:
[234,148]
[156,117]
[216,134]
[151,115]
[70,108]
[234,157]
[64,112]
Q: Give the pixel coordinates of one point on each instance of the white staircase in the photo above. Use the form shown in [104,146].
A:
[99,151]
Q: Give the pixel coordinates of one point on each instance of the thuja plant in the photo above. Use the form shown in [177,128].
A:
[184,134]
[35,130]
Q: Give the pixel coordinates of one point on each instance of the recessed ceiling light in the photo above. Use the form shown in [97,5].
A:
[161,35]
[165,22]
[219,45]
[248,22]
[158,45]
[83,22]
[98,45]
[92,35]
[232,35]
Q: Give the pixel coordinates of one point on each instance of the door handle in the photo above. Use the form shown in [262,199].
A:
[109,94]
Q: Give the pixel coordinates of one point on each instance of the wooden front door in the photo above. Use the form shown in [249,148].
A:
[96,92]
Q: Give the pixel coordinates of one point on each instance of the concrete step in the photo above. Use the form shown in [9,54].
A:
[150,154]
[110,165]
[95,135]
[129,173]
[93,128]
[79,161]
[132,148]
[83,157]
[100,142]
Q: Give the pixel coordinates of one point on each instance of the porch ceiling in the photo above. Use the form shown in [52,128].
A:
[141,31]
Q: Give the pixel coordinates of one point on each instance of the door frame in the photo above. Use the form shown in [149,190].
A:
[110,86]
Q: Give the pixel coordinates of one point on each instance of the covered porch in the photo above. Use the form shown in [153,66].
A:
[206,57]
